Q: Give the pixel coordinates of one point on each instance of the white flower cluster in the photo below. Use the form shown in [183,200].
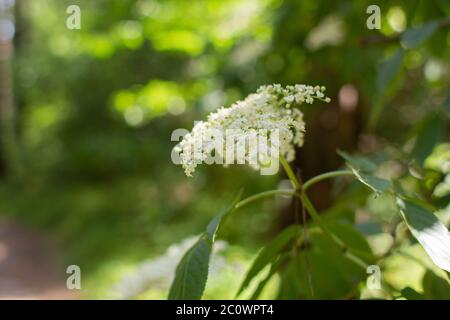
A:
[272,109]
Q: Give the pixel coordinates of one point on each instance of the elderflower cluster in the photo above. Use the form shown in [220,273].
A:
[267,120]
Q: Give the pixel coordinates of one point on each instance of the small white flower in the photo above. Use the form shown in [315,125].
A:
[289,99]
[252,120]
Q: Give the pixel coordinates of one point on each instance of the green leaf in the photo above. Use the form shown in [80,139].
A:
[435,287]
[378,185]
[269,253]
[428,230]
[358,162]
[353,239]
[273,269]
[192,272]
[437,159]
[292,284]
[410,294]
[385,76]
[428,136]
[413,37]
[334,275]
[361,168]
[388,70]
[216,222]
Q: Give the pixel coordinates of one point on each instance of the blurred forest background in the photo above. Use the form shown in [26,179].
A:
[87,116]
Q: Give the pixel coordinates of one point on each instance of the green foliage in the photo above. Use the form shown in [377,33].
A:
[192,271]
[270,253]
[413,37]
[96,108]
[429,231]
[274,268]
[388,70]
[428,136]
[360,165]
[424,225]
[386,74]
[315,264]
[435,287]
[410,294]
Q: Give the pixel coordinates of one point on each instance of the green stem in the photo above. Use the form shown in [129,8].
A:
[313,212]
[324,176]
[300,193]
[291,175]
[317,219]
[357,256]
[302,196]
[265,194]
[354,255]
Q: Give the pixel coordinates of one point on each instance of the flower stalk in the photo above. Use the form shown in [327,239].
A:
[354,255]
[324,176]
[265,194]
